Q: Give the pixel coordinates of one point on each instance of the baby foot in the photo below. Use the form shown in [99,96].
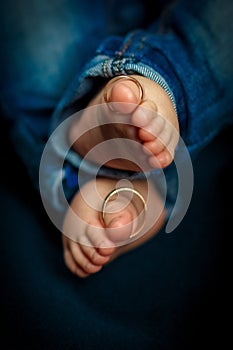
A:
[152,123]
[89,241]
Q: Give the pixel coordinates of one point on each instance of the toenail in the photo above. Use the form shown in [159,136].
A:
[165,159]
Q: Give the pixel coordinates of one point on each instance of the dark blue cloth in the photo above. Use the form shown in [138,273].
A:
[172,293]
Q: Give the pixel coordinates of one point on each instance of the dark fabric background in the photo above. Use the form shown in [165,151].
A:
[171,293]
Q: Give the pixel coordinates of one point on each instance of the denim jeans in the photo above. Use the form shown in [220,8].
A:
[55,54]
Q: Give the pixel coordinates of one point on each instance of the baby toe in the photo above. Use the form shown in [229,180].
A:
[155,147]
[162,160]
[153,129]
[158,144]
[143,115]
[100,241]
[82,260]
[94,256]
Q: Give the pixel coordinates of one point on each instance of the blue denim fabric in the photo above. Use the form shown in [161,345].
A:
[44,44]
[188,50]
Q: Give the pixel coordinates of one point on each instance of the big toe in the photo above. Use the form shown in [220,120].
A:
[120,227]
[123,94]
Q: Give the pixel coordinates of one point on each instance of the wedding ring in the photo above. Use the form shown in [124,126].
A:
[138,202]
[123,77]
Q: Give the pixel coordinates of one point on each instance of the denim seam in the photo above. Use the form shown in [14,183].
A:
[113,67]
[125,47]
[152,75]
